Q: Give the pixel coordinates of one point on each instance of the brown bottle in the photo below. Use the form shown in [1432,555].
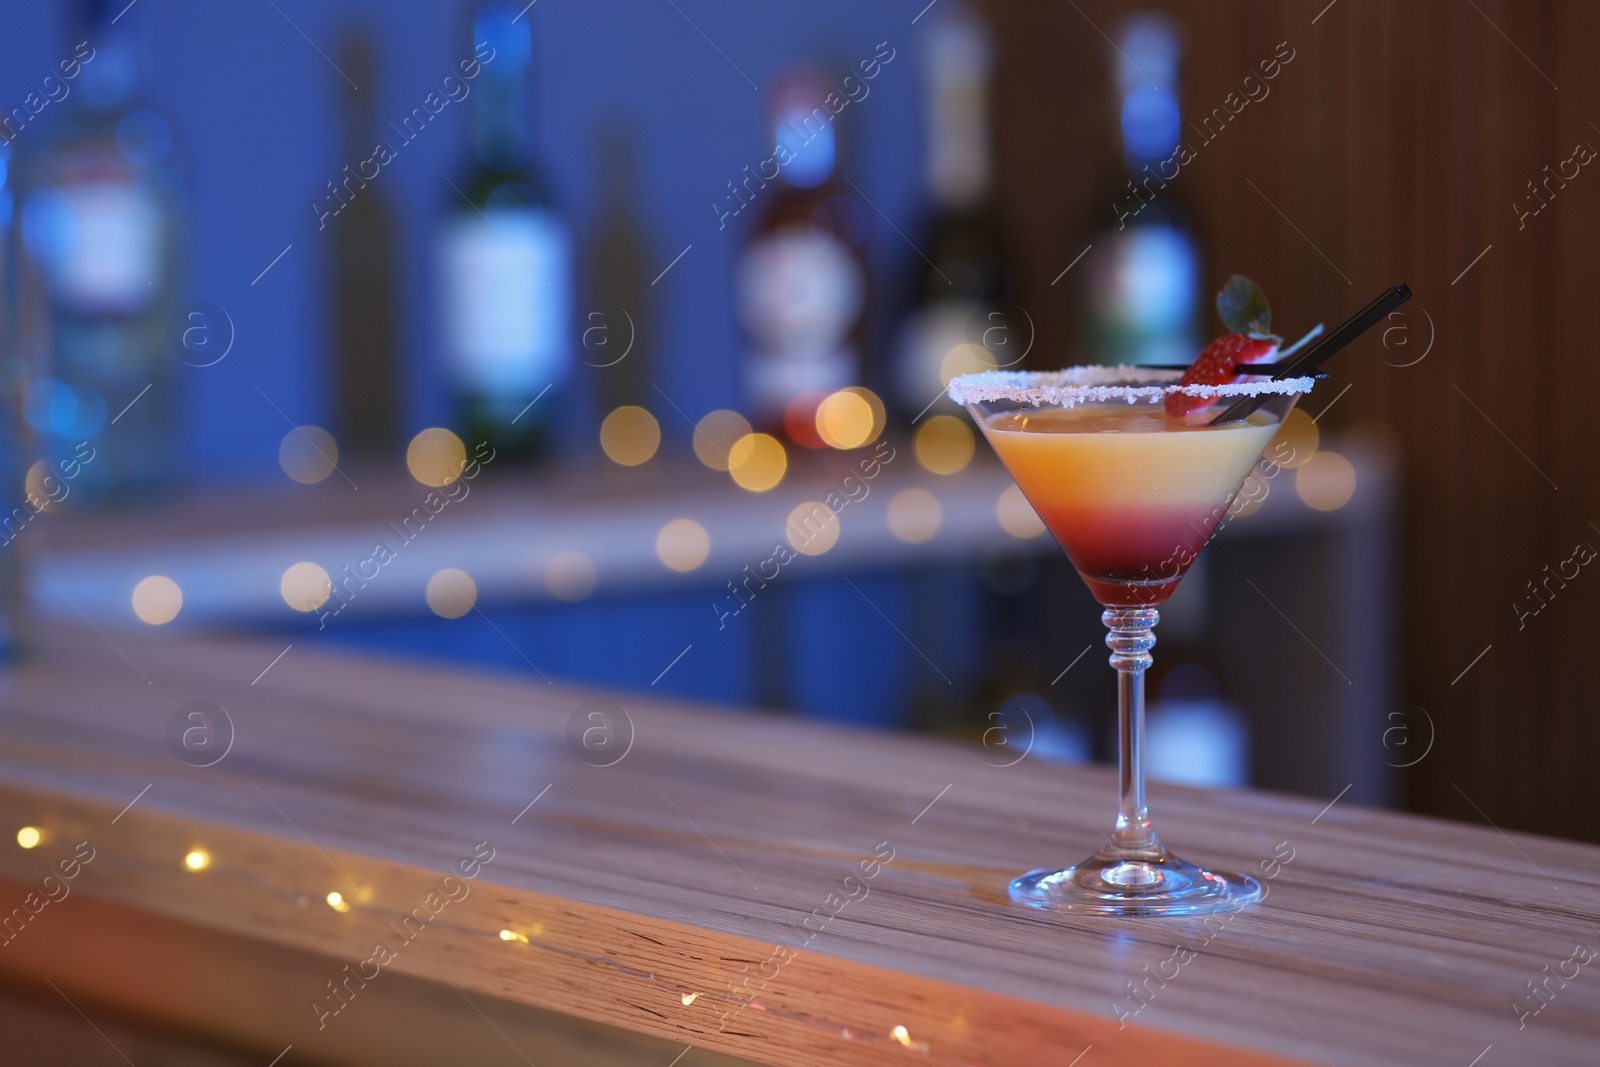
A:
[801,276]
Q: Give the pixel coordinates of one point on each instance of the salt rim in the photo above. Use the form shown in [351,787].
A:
[1090,384]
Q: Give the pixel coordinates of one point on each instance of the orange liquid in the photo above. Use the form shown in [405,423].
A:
[1131,498]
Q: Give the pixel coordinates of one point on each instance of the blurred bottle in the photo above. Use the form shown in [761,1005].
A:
[507,260]
[1191,736]
[801,277]
[367,371]
[13,440]
[1143,291]
[956,321]
[613,336]
[101,192]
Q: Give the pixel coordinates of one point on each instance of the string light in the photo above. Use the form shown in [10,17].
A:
[715,434]
[944,445]
[451,593]
[915,515]
[1017,516]
[308,454]
[337,902]
[757,462]
[436,456]
[689,998]
[512,935]
[682,545]
[305,586]
[630,435]
[157,600]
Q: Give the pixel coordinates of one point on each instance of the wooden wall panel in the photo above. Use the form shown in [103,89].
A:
[1396,141]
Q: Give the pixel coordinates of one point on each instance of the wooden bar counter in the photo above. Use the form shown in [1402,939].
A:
[400,864]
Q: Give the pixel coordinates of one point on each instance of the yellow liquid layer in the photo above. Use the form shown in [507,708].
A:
[1123,455]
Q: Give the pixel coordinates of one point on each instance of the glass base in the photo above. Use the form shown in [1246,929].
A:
[1144,882]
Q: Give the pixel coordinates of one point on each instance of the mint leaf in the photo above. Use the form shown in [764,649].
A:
[1243,307]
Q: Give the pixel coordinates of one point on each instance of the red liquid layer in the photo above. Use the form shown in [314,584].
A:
[1131,556]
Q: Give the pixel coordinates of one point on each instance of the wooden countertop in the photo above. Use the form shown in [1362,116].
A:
[628,889]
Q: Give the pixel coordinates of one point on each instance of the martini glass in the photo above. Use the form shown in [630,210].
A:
[1132,496]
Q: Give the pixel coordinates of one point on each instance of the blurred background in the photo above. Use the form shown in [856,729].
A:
[604,343]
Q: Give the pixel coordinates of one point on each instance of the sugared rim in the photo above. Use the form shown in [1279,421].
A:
[1095,384]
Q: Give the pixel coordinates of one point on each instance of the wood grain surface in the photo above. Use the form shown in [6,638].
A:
[782,891]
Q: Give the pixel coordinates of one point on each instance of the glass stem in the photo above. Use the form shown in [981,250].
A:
[1130,640]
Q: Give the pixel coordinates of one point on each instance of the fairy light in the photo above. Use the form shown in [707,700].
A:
[901,1035]
[512,935]
[308,454]
[689,998]
[451,593]
[30,836]
[682,545]
[943,445]
[436,456]
[757,462]
[337,902]
[197,860]
[715,434]
[305,586]
[630,435]
[157,600]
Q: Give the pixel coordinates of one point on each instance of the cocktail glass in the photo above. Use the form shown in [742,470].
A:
[1132,496]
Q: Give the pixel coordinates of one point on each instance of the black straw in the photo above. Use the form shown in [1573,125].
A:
[1306,362]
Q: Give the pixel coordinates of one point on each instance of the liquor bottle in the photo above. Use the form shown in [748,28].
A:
[801,276]
[957,322]
[614,331]
[507,259]
[101,191]
[1143,276]
[367,371]
[13,442]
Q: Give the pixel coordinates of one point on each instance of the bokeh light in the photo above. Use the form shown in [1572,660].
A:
[813,528]
[944,444]
[630,435]
[1017,516]
[850,418]
[305,587]
[30,836]
[197,860]
[451,593]
[965,358]
[569,576]
[1326,482]
[337,902]
[45,495]
[683,545]
[1295,442]
[757,462]
[1252,497]
[715,434]
[436,456]
[800,419]
[308,454]
[157,600]
[915,516]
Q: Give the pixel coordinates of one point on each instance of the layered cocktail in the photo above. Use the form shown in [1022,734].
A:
[1128,472]
[1133,469]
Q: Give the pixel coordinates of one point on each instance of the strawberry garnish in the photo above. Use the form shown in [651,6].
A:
[1216,366]
[1243,308]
